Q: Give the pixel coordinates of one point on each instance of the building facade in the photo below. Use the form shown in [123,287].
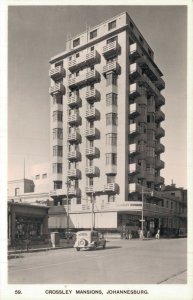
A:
[106,129]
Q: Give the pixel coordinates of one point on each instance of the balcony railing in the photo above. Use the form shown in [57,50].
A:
[92,171]
[160,132]
[159,148]
[111,49]
[74,119]
[135,91]
[92,133]
[111,188]
[148,68]
[133,168]
[89,189]
[159,180]
[92,95]
[133,149]
[74,191]
[92,76]
[134,129]
[160,84]
[74,137]
[150,177]
[92,114]
[57,88]
[159,164]
[92,152]
[74,155]
[159,116]
[134,110]
[111,67]
[135,51]
[74,173]
[92,57]
[77,63]
[57,72]
[134,71]
[74,101]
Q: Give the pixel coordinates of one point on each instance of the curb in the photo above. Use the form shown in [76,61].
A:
[37,250]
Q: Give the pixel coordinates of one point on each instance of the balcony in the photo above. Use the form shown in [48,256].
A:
[150,160]
[160,100]
[74,119]
[74,174]
[133,168]
[111,188]
[160,84]
[57,72]
[89,189]
[92,171]
[111,49]
[134,188]
[159,116]
[159,180]
[92,114]
[149,68]
[92,133]
[92,96]
[134,110]
[135,91]
[110,169]
[92,76]
[74,155]
[142,173]
[134,149]
[135,51]
[92,58]
[77,63]
[58,88]
[159,148]
[111,67]
[74,101]
[92,152]
[133,129]
[73,191]
[76,82]
[74,137]
[149,85]
[160,132]
[150,177]
[159,164]
[134,71]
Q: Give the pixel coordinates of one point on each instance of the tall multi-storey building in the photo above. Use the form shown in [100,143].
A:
[106,131]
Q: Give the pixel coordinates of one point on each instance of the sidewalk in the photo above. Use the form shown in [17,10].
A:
[12,253]
[180,278]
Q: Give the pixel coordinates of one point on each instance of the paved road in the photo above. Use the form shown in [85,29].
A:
[123,261]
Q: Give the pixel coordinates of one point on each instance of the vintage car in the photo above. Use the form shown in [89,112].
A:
[89,239]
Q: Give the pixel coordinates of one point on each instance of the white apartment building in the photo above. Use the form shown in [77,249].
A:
[106,129]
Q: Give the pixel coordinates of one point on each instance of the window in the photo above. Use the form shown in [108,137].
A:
[93,34]
[171,205]
[44,176]
[57,133]
[111,198]
[150,171]
[77,55]
[150,152]
[111,158]
[92,68]
[111,119]
[142,128]
[111,78]
[111,139]
[76,42]
[57,185]
[77,73]
[91,181]
[111,99]
[17,191]
[113,39]
[57,168]
[111,178]
[57,150]
[112,25]
[57,116]
[57,99]
[92,48]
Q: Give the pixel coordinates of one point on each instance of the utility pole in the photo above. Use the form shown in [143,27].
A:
[92,212]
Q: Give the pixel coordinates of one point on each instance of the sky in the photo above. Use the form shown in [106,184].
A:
[37,33]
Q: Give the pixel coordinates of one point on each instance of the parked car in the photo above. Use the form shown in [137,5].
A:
[89,239]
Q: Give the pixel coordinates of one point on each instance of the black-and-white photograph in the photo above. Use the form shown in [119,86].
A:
[97,148]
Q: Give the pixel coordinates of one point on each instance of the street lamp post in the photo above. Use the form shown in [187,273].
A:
[92,213]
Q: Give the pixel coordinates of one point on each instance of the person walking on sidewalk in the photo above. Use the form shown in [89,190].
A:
[157,236]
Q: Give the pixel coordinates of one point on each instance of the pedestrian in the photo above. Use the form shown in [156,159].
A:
[157,234]
[148,234]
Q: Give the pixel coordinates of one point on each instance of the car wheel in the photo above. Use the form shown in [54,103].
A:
[104,246]
[82,243]
[78,249]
